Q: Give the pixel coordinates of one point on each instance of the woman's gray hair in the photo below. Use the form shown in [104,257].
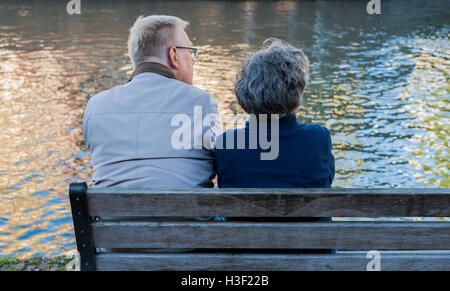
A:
[151,36]
[272,81]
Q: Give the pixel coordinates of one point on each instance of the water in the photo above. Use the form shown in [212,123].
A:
[380,83]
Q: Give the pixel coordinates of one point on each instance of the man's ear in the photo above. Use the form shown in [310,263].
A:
[173,58]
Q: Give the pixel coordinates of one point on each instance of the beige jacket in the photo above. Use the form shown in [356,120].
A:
[130,129]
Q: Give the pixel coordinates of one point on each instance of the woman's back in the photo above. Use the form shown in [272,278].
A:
[304,158]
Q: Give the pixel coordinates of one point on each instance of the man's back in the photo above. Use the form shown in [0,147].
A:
[128,130]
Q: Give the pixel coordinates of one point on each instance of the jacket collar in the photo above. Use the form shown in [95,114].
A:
[286,123]
[152,67]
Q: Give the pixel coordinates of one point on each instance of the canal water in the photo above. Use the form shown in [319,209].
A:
[380,83]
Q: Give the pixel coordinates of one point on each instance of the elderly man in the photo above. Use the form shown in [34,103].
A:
[130,128]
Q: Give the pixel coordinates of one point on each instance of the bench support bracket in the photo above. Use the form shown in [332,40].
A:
[82,225]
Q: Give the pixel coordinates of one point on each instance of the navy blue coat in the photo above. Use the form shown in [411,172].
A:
[304,159]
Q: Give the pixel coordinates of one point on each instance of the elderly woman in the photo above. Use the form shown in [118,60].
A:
[271,84]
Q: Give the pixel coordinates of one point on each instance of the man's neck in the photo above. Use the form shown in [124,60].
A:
[156,60]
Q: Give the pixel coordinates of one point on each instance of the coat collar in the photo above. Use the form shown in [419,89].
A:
[152,67]
[287,122]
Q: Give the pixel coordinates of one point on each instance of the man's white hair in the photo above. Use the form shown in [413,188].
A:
[151,36]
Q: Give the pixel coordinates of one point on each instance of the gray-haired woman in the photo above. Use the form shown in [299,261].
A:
[270,86]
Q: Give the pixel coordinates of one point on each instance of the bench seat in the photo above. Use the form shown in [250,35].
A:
[260,245]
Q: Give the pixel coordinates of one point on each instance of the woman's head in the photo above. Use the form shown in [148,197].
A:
[272,81]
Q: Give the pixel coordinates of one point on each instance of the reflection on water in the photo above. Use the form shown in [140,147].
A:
[380,83]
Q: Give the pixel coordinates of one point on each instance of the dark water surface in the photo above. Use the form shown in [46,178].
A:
[380,83]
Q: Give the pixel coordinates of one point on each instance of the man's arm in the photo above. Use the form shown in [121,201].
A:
[84,127]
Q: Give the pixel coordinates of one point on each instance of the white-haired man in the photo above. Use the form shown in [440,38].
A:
[129,128]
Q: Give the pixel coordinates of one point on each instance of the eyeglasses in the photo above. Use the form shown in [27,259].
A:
[193,51]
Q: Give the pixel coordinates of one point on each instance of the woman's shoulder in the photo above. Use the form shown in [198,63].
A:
[314,128]
[319,128]
[313,134]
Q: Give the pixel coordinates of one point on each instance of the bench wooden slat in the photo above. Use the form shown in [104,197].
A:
[244,244]
[270,202]
[320,235]
[350,261]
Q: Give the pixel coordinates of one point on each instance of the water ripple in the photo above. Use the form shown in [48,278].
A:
[380,84]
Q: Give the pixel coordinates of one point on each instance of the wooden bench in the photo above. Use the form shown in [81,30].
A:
[403,245]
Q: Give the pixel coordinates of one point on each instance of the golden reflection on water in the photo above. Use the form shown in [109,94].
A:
[40,126]
[221,63]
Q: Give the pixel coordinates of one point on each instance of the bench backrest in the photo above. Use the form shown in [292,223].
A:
[244,245]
